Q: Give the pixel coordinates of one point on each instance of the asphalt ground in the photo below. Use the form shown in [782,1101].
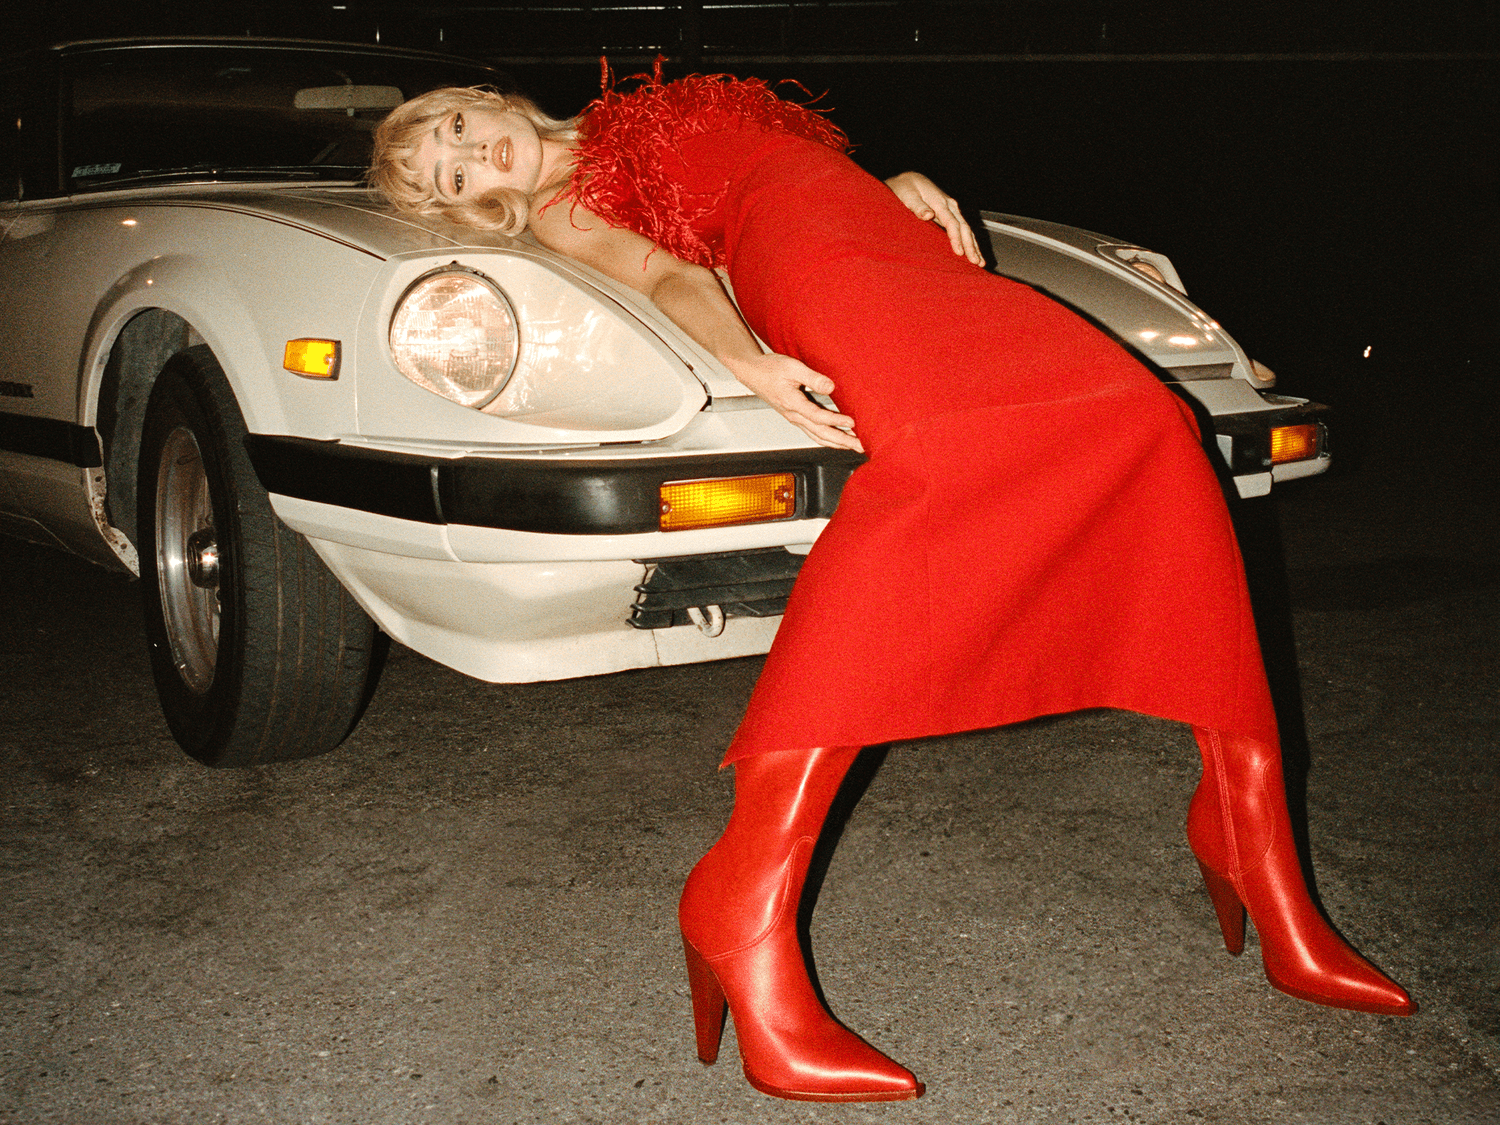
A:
[466,913]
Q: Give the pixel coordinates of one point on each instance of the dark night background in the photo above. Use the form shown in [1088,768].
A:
[1323,176]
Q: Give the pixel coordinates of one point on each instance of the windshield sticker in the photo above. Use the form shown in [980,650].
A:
[95,170]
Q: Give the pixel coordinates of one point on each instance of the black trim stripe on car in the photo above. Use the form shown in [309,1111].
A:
[51,438]
[576,496]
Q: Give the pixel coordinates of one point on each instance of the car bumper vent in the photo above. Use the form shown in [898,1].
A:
[744,584]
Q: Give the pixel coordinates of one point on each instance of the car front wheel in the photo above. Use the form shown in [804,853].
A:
[259,654]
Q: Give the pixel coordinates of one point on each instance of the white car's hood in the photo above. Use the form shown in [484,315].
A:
[1091,273]
[351,215]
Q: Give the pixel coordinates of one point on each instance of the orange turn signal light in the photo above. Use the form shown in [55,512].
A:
[317,359]
[1294,443]
[723,501]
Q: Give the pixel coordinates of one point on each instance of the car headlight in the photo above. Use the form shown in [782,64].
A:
[454,332]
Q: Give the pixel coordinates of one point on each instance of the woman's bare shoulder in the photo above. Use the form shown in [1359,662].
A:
[560,221]
[564,225]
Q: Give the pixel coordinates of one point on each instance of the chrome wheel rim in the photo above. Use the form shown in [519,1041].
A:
[187,559]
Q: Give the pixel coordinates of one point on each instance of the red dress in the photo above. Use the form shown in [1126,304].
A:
[1037,529]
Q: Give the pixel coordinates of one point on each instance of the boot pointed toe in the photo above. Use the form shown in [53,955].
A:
[1368,990]
[1240,832]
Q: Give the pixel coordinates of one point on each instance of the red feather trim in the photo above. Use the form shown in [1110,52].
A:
[619,174]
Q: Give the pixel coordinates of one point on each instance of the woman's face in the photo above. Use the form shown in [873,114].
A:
[475,150]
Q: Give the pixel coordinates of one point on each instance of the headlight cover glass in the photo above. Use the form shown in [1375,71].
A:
[455,333]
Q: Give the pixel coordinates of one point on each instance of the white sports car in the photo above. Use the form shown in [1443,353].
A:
[307,422]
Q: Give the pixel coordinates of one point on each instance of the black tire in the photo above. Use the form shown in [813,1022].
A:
[259,653]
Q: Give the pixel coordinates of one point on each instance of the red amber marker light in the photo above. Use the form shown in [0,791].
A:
[1293,443]
[724,501]
[317,359]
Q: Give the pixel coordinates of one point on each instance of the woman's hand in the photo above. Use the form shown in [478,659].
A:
[931,203]
[780,380]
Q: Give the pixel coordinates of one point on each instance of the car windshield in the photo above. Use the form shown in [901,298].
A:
[192,112]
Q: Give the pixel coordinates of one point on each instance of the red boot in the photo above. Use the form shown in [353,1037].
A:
[1239,829]
[739,930]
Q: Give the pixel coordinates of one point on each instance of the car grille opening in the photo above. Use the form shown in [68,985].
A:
[742,584]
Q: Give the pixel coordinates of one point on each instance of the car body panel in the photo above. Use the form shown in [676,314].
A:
[502,616]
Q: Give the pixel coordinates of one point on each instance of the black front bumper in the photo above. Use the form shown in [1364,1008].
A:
[573,496]
[601,495]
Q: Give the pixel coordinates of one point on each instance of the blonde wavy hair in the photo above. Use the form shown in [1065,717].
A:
[395,174]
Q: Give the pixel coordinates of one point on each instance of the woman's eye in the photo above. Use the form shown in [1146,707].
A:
[458,126]
[458,180]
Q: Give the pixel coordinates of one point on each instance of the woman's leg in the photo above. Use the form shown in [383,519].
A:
[1239,829]
[739,930]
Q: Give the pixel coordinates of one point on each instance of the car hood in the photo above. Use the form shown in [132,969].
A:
[352,215]
[1085,270]
[1090,272]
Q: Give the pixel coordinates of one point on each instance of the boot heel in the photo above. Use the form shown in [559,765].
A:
[1228,907]
[709,1004]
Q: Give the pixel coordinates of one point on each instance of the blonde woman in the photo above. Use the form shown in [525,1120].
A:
[1037,529]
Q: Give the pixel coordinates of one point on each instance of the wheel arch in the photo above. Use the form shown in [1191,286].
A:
[136,357]
[155,311]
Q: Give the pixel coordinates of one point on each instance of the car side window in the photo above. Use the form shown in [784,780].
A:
[10,141]
[28,136]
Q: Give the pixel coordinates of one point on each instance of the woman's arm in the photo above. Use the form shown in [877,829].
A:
[930,202]
[693,299]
